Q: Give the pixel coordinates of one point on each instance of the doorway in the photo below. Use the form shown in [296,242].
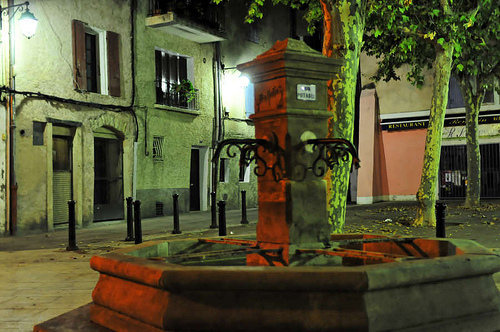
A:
[194,181]
[108,176]
[62,175]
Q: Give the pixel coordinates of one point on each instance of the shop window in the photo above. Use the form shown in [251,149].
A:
[96,56]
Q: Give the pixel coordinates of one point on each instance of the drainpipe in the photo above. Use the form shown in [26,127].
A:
[12,186]
[217,123]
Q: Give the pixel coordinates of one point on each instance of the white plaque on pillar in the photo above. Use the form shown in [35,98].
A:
[306,92]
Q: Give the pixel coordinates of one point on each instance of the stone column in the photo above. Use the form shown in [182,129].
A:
[291,104]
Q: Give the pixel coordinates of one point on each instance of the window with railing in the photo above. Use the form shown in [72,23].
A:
[174,77]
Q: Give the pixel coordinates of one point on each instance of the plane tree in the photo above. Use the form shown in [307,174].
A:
[477,69]
[421,35]
[343,27]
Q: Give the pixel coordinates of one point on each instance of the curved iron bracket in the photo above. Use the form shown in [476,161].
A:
[331,151]
[250,150]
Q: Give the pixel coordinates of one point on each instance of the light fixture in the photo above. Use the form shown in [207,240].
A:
[27,21]
[243,80]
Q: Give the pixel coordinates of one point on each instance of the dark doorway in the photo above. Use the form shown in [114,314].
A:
[108,180]
[194,181]
[453,171]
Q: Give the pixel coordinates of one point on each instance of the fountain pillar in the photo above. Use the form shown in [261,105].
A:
[290,107]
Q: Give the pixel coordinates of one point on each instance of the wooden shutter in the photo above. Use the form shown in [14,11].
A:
[79,66]
[113,40]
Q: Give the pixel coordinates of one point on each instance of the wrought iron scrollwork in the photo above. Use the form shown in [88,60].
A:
[330,152]
[250,150]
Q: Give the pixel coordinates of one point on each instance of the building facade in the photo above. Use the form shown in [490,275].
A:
[124,99]
[393,121]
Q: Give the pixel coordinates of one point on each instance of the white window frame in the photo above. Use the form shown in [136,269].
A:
[224,164]
[102,65]
[189,62]
[246,175]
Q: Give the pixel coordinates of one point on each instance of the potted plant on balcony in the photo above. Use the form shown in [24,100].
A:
[185,90]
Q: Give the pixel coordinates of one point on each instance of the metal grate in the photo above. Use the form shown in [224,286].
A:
[159,208]
[453,171]
[158,148]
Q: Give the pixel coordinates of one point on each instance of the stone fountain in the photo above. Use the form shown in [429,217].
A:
[295,276]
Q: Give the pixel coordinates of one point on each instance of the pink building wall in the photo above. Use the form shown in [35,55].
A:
[391,161]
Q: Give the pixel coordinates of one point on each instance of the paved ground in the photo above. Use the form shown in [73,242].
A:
[39,279]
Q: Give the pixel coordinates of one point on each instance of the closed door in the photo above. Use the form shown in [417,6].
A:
[61,178]
[194,181]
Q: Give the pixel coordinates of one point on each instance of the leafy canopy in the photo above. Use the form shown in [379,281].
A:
[402,32]
[480,56]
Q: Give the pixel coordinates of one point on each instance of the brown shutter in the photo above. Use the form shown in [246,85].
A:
[79,66]
[113,40]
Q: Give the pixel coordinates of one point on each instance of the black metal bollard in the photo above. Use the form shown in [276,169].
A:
[130,220]
[176,215]
[222,218]
[244,219]
[213,210]
[440,220]
[71,227]
[137,222]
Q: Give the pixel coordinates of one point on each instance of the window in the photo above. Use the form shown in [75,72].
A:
[96,59]
[244,175]
[174,77]
[224,170]
[38,129]
[158,148]
[249,100]
[252,33]
[455,99]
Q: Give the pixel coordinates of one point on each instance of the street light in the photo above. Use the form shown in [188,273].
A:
[27,21]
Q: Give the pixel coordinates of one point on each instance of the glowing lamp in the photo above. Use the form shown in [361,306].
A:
[28,23]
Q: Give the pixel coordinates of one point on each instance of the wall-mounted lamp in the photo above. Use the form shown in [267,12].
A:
[27,21]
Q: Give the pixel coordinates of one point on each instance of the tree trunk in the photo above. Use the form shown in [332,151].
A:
[426,194]
[473,96]
[343,35]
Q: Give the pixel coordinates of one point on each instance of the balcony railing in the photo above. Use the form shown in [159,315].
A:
[178,99]
[202,12]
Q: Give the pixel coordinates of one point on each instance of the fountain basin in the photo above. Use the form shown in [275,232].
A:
[451,289]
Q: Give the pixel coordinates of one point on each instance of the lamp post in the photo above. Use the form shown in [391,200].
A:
[27,24]
[27,21]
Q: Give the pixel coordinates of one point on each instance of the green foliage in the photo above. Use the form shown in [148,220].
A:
[480,53]
[185,89]
[406,32]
